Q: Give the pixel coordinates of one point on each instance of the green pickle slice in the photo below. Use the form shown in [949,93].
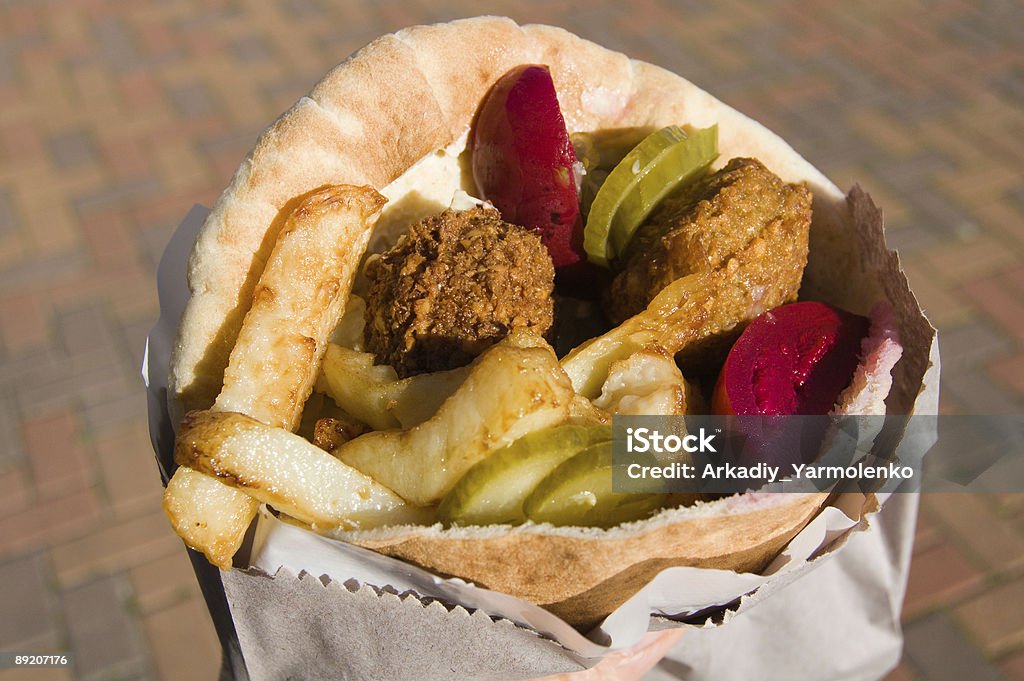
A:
[492,491]
[579,493]
[664,160]
[600,151]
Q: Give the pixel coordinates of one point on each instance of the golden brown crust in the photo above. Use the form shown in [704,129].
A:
[297,303]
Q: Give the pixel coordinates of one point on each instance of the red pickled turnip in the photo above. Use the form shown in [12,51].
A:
[523,161]
[795,359]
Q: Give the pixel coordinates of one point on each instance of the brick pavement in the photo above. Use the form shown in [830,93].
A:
[117,117]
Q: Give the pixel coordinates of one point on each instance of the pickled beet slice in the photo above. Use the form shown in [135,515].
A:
[795,359]
[523,161]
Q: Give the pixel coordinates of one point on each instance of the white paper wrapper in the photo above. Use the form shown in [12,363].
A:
[290,626]
[676,592]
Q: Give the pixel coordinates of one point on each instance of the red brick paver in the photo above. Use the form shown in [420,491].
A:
[117,117]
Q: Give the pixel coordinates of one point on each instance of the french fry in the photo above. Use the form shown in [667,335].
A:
[299,299]
[375,395]
[287,471]
[512,389]
[208,514]
[297,303]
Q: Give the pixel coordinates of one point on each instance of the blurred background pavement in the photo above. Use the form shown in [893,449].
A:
[116,117]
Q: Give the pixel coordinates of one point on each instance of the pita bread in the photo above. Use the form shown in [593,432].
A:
[416,91]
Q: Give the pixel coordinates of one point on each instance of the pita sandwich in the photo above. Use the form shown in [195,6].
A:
[406,101]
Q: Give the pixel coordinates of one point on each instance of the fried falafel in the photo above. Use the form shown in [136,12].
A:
[454,285]
[700,227]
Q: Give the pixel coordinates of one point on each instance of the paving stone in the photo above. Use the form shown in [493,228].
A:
[13,451]
[84,330]
[912,238]
[900,673]
[15,489]
[116,43]
[140,90]
[192,100]
[964,260]
[250,48]
[979,393]
[103,633]
[995,619]
[911,174]
[8,217]
[25,593]
[975,523]
[970,345]
[938,576]
[939,649]
[72,149]
[43,522]
[38,271]
[134,333]
[1013,666]
[941,214]
[24,322]
[130,479]
[944,307]
[115,547]
[164,582]
[126,408]
[38,366]
[60,462]
[48,394]
[927,534]
[1003,304]
[115,384]
[129,190]
[184,627]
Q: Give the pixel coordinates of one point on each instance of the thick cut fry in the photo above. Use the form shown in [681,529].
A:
[298,301]
[514,388]
[376,396]
[195,503]
[698,308]
[287,471]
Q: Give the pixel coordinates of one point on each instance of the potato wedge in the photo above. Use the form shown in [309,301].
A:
[512,389]
[197,507]
[376,396]
[297,303]
[276,357]
[292,474]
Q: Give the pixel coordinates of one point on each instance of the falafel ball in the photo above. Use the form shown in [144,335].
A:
[700,227]
[453,285]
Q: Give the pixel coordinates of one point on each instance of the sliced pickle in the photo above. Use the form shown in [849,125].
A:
[579,493]
[600,151]
[656,166]
[492,491]
[606,148]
